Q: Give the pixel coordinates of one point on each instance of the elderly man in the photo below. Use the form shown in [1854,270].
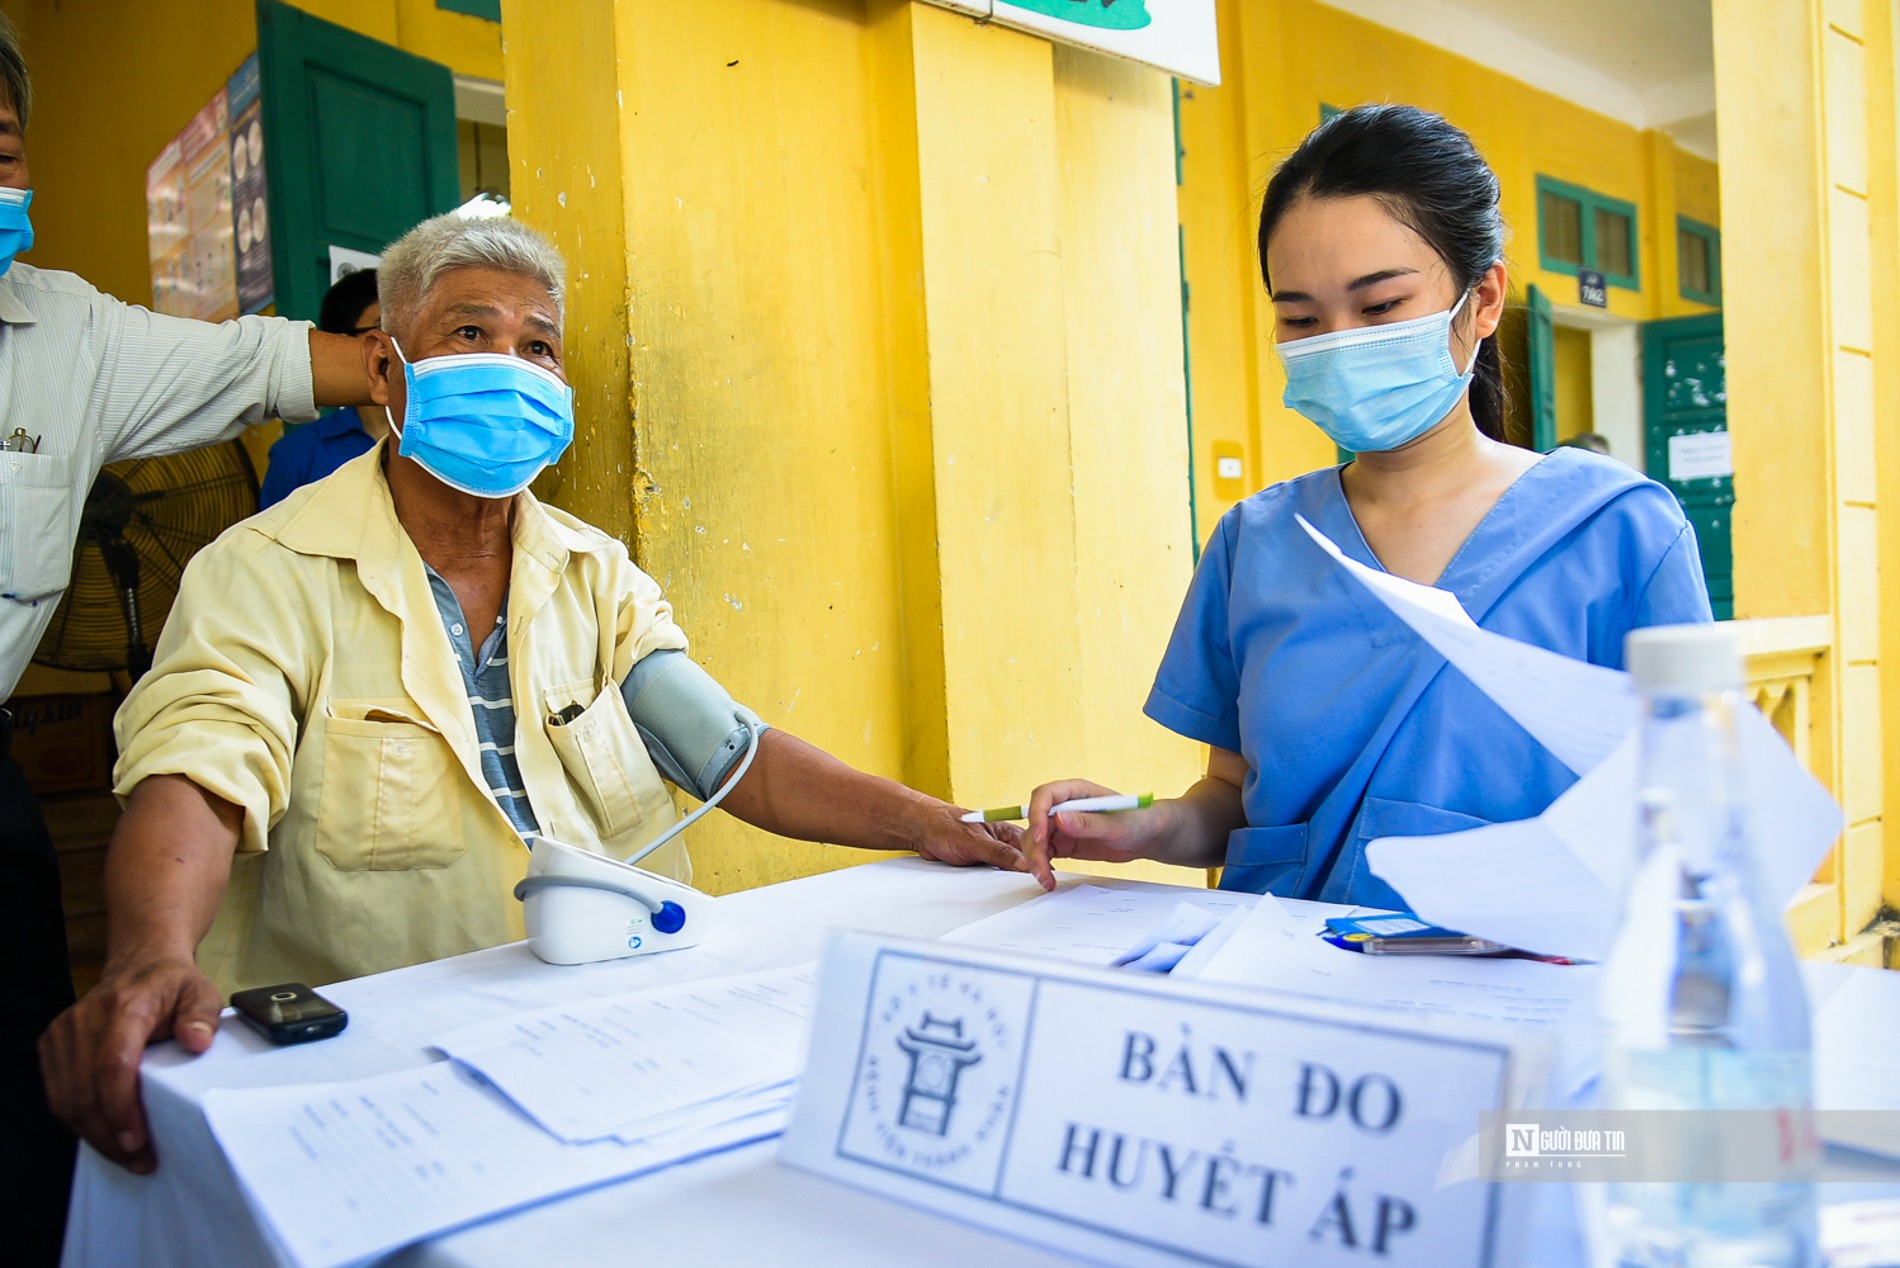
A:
[86,380]
[370,697]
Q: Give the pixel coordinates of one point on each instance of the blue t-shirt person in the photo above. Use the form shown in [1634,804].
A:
[311,452]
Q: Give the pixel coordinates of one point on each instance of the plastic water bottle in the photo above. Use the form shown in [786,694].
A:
[1701,999]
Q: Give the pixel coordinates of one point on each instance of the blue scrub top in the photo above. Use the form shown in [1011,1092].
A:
[1353,728]
[307,454]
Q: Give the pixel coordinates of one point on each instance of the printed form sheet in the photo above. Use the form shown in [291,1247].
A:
[605,1067]
[532,1106]
[1093,924]
[343,1171]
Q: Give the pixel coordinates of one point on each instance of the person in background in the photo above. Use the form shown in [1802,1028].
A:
[313,451]
[86,380]
[1330,724]
[1595,442]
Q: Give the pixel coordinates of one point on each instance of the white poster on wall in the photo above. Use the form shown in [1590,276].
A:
[1178,36]
[344,261]
[1701,455]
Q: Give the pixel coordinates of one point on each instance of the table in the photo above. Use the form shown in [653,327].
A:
[739,1207]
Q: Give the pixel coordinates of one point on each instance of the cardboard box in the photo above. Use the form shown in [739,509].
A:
[64,743]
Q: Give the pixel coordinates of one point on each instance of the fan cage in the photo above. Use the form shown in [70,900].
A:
[168,508]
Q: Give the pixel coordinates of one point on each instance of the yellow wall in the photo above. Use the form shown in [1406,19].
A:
[1574,413]
[1280,60]
[116,80]
[900,346]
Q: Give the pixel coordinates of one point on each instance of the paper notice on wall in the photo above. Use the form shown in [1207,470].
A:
[1700,455]
[344,261]
[255,280]
[190,228]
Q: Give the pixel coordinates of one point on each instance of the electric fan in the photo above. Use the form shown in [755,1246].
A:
[142,521]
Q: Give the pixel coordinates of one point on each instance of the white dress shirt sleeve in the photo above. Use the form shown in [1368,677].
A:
[166,384]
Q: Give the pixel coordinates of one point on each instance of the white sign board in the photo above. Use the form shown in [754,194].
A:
[1178,36]
[1136,1120]
[1701,455]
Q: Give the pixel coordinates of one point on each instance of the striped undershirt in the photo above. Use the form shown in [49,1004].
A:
[491,700]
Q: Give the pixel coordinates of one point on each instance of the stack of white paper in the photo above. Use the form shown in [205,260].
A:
[1856,1034]
[530,1107]
[344,1171]
[1276,950]
[639,1066]
[1095,924]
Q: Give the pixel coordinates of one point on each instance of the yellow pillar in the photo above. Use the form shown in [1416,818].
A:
[871,305]
[990,339]
[1882,38]
[1801,343]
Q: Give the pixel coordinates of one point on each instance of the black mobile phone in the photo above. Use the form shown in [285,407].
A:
[290,1013]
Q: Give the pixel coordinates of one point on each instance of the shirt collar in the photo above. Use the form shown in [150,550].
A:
[13,309]
[351,516]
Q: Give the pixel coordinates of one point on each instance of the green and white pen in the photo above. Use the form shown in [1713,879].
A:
[1100,805]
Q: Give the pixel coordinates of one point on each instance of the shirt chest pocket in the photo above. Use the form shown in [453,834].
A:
[36,528]
[604,757]
[1380,818]
[389,797]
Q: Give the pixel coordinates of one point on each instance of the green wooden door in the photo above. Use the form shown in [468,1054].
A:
[1541,355]
[361,138]
[1685,428]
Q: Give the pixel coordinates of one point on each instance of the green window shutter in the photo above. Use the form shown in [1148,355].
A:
[1578,228]
[1541,355]
[1699,261]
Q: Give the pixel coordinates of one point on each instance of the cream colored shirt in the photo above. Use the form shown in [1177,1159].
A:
[96,380]
[304,675]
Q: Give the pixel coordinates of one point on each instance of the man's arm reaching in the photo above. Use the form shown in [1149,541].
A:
[166,872]
[797,790]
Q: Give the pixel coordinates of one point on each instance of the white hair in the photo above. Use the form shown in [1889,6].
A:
[416,261]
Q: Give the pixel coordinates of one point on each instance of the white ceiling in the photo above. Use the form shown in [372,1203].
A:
[1648,63]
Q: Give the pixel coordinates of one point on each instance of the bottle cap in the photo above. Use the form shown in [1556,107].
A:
[1683,659]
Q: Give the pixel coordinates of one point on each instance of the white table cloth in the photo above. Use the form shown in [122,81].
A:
[738,1207]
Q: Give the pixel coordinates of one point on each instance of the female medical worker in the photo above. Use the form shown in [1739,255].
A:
[1331,724]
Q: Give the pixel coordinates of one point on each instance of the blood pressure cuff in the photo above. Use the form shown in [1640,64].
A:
[694,732]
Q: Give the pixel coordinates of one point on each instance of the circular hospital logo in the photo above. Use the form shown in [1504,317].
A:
[938,1068]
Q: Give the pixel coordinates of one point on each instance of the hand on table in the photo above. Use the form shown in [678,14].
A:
[1119,837]
[90,1055]
[944,838]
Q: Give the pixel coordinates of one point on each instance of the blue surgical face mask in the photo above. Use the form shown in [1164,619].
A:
[16,228]
[483,422]
[1375,388]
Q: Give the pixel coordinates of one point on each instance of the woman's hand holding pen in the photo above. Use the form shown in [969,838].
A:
[1189,831]
[1118,837]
